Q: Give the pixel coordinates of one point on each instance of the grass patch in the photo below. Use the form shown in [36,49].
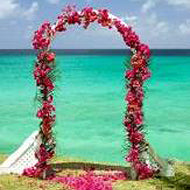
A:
[65,166]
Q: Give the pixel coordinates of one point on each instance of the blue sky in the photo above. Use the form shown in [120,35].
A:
[160,23]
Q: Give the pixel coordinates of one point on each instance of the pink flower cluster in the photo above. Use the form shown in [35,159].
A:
[103,18]
[89,16]
[42,37]
[42,74]
[91,181]
[43,67]
[134,117]
[37,171]
[143,170]
[136,76]
[45,113]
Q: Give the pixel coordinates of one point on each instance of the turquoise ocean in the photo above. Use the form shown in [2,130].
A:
[90,105]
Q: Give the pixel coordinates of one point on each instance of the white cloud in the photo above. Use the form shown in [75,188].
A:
[29,13]
[185,3]
[149,23]
[29,32]
[149,4]
[7,8]
[156,26]
[11,8]
[53,1]
[30,27]
[161,27]
[160,33]
[185,27]
[130,20]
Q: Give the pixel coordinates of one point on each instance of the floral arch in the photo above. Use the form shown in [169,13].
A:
[135,76]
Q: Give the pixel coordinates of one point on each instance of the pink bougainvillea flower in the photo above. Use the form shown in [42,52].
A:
[46,56]
[138,118]
[144,171]
[145,73]
[40,113]
[47,123]
[134,107]
[74,18]
[91,181]
[129,74]
[60,27]
[37,171]
[133,155]
[131,96]
[140,95]
[136,137]
[128,121]
[103,18]
[40,72]
[43,155]
[89,16]
[48,83]
[144,50]
[138,61]
[50,100]
[50,57]
[136,83]
[42,36]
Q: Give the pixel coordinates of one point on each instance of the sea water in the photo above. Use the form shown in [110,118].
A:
[90,106]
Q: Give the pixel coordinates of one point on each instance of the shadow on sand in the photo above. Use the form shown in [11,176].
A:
[58,167]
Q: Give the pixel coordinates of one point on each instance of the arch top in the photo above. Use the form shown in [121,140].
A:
[44,35]
[111,16]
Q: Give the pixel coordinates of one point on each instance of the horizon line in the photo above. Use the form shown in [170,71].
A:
[96,49]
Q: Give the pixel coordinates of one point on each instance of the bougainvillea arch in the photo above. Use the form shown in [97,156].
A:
[135,76]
